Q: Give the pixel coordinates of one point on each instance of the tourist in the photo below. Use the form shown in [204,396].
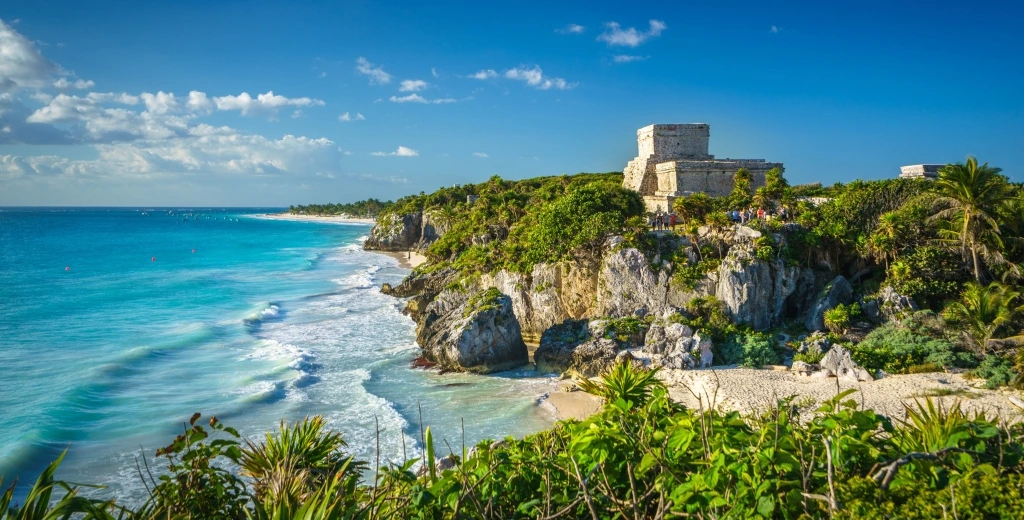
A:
[672,221]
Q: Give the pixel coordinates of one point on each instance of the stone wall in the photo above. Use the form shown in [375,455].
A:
[674,140]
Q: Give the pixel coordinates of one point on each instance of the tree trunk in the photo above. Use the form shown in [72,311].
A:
[974,256]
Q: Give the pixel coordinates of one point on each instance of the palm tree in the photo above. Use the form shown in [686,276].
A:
[970,196]
[983,311]
[887,239]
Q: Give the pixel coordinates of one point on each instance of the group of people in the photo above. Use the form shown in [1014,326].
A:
[663,221]
[746,215]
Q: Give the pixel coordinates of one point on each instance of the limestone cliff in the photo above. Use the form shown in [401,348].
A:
[404,232]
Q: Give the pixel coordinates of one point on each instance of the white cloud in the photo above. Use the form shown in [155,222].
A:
[159,103]
[433,72]
[616,35]
[21,63]
[298,113]
[378,180]
[79,84]
[774,30]
[481,155]
[401,151]
[484,74]
[267,103]
[535,78]
[376,74]
[416,98]
[348,117]
[412,85]
[625,58]
[571,29]
[198,102]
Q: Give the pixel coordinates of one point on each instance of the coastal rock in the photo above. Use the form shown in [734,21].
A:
[478,334]
[758,293]
[395,232]
[662,339]
[678,346]
[839,291]
[839,362]
[627,285]
[890,306]
[815,345]
[570,347]
[803,368]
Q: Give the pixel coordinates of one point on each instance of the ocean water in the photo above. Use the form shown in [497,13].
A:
[117,324]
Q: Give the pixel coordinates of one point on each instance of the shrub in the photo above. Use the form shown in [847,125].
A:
[897,348]
[837,319]
[706,314]
[996,370]
[751,349]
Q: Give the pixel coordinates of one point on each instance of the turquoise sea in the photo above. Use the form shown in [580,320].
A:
[116,324]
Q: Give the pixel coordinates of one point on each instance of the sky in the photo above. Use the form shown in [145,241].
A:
[277,103]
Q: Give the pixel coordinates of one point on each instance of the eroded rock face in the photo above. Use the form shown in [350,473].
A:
[627,285]
[756,292]
[396,232]
[839,291]
[678,346]
[816,344]
[840,364]
[889,306]
[475,334]
[571,347]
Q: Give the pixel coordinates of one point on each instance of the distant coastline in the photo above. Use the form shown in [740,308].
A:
[333,219]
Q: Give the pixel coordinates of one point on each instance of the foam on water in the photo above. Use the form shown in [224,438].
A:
[268,321]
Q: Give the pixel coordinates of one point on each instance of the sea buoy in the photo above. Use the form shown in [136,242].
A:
[193,250]
[152,259]
[67,268]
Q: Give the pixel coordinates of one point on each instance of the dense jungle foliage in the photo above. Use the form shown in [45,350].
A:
[641,456]
[368,208]
[953,245]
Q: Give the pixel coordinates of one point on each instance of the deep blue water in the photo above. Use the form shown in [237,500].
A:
[117,324]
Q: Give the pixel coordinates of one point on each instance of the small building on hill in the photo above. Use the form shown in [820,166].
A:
[920,171]
[673,161]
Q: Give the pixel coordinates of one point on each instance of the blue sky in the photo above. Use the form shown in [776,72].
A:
[140,103]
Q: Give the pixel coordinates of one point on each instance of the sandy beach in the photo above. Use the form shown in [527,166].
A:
[316,218]
[406,259]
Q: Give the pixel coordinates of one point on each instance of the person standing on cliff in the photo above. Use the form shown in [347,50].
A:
[672,221]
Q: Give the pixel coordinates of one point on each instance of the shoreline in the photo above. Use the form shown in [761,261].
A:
[329,219]
[406,259]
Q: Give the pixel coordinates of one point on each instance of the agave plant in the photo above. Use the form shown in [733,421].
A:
[298,461]
[41,504]
[625,381]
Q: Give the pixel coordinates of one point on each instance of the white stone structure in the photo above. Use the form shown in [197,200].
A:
[673,161]
[920,171]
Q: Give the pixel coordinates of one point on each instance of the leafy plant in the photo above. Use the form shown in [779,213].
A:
[623,382]
[751,349]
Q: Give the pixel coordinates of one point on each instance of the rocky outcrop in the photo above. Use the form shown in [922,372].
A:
[475,334]
[627,284]
[815,345]
[839,362]
[839,291]
[404,232]
[889,306]
[757,292]
[678,346]
[574,347]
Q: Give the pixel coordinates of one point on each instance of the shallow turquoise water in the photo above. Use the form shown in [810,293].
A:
[106,351]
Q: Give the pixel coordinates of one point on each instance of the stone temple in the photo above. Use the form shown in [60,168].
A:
[673,161]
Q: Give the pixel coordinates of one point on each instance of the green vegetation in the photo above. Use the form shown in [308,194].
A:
[898,349]
[837,319]
[368,208]
[641,456]
[749,349]
[482,301]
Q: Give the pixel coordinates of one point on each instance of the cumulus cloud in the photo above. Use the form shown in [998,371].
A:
[535,78]
[376,74]
[571,29]
[614,34]
[78,84]
[401,151]
[348,117]
[21,64]
[416,98]
[774,30]
[268,103]
[484,74]
[625,58]
[481,155]
[412,85]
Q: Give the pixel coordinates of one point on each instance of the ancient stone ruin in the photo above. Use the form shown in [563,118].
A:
[920,171]
[673,161]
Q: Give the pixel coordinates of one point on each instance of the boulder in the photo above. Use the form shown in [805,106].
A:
[839,291]
[893,306]
[839,363]
[678,346]
[758,293]
[803,368]
[662,339]
[570,347]
[475,334]
[816,344]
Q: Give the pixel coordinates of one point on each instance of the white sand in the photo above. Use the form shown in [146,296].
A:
[314,218]
[406,259]
[748,390]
